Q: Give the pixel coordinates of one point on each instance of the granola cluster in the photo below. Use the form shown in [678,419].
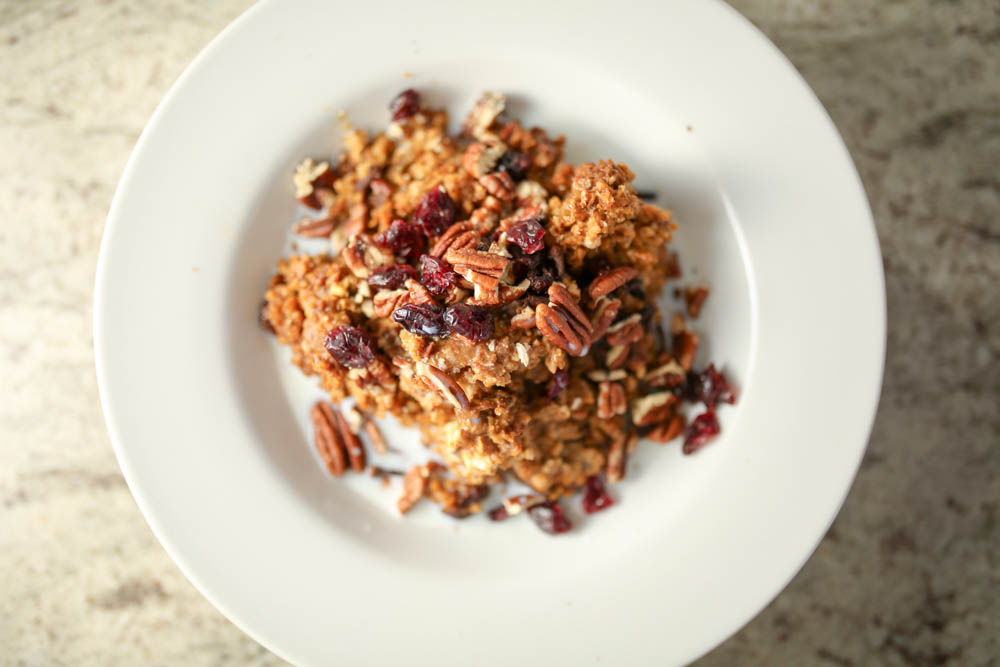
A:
[498,298]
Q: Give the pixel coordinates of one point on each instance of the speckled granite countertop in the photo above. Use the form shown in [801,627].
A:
[908,575]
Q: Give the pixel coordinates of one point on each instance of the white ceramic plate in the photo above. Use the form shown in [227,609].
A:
[209,420]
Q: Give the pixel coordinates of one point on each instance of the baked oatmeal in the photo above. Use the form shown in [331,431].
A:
[503,301]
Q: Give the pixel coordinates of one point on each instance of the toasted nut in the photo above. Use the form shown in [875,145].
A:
[560,298]
[617,356]
[608,282]
[668,430]
[482,262]
[616,458]
[669,374]
[326,433]
[479,158]
[375,435]
[443,383]
[524,318]
[685,348]
[352,443]
[677,324]
[653,408]
[695,297]
[357,216]
[446,240]
[362,256]
[355,419]
[307,175]
[607,376]
[315,228]
[414,485]
[522,353]
[500,185]
[387,301]
[557,329]
[605,312]
[479,121]
[418,293]
[610,400]
[530,193]
[629,330]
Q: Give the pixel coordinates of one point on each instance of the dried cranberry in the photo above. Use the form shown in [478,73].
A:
[350,346]
[498,513]
[436,274]
[529,235]
[595,496]
[701,430]
[403,238]
[435,212]
[713,387]
[423,319]
[549,517]
[473,322]
[541,278]
[519,256]
[404,105]
[514,163]
[558,384]
[392,276]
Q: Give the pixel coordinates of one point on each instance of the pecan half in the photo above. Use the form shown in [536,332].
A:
[668,430]
[607,376]
[605,312]
[447,240]
[617,356]
[500,185]
[560,298]
[387,301]
[608,282]
[557,329]
[627,331]
[414,485]
[653,408]
[443,383]
[326,433]
[610,400]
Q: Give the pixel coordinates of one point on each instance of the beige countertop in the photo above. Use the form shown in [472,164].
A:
[908,575]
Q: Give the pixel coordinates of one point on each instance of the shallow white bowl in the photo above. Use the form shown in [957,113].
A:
[209,420]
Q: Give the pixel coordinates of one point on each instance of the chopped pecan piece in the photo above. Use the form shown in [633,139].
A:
[307,176]
[617,356]
[695,297]
[375,435]
[668,430]
[311,228]
[362,256]
[418,293]
[444,385]
[627,331]
[653,408]
[414,485]
[616,458]
[524,318]
[352,443]
[500,185]
[608,282]
[605,312]
[480,158]
[685,348]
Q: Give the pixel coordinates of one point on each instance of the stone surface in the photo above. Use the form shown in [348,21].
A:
[908,575]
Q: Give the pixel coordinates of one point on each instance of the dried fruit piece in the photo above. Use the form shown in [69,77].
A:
[350,346]
[405,104]
[514,163]
[528,235]
[595,496]
[549,516]
[700,431]
[403,238]
[710,387]
[436,274]
[421,319]
[435,212]
[473,322]
[392,276]
[558,384]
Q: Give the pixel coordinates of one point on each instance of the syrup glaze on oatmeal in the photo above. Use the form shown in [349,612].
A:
[498,298]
